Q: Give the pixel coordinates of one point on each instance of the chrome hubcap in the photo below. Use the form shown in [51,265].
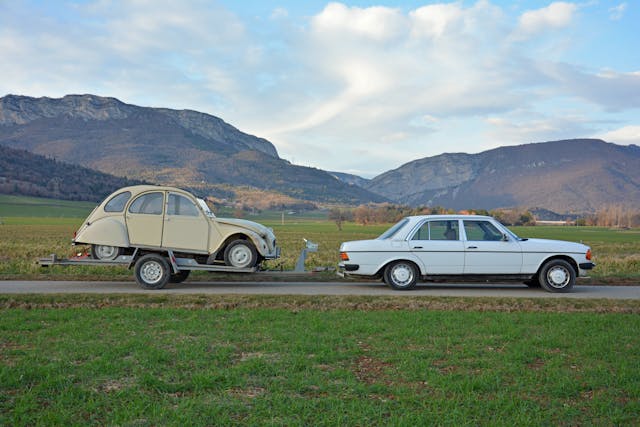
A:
[558,277]
[402,274]
[151,272]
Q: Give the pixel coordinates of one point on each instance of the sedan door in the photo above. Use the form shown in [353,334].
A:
[487,251]
[437,244]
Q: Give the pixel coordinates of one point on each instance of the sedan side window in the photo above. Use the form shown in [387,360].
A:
[437,230]
[180,205]
[481,231]
[150,203]
[116,204]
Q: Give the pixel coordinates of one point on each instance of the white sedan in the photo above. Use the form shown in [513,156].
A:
[463,247]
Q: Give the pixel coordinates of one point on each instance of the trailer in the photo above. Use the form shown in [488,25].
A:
[154,269]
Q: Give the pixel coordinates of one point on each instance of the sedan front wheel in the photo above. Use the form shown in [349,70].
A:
[401,275]
[557,275]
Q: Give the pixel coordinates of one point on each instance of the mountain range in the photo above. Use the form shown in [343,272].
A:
[192,149]
[178,147]
[579,175]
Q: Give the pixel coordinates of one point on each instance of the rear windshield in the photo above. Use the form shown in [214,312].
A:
[116,204]
[393,230]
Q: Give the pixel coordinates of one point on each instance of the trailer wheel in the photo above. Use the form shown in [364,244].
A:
[179,277]
[152,271]
[240,254]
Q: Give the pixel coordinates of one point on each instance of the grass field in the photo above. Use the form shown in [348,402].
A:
[143,360]
[23,240]
[20,206]
[105,362]
[48,226]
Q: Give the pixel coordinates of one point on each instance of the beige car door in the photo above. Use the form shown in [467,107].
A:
[185,226]
[144,219]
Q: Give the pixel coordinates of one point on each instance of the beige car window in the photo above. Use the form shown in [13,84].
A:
[150,203]
[116,204]
[180,205]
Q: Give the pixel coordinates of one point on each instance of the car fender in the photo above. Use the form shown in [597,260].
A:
[259,243]
[109,231]
[401,256]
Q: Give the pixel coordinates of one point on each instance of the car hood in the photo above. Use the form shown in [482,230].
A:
[250,225]
[545,245]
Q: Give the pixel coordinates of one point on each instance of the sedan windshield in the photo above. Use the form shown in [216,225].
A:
[393,230]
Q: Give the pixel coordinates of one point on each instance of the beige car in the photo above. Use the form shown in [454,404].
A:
[149,219]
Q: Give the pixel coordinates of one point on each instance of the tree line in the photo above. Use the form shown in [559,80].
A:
[389,213]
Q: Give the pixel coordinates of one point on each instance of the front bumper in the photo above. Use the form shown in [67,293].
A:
[273,255]
[587,266]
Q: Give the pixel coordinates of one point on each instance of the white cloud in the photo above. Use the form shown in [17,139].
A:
[556,15]
[524,126]
[617,12]
[623,135]
[433,20]
[375,23]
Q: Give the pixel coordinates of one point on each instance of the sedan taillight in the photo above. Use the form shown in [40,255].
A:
[588,254]
[344,256]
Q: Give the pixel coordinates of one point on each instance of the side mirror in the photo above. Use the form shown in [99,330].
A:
[505,238]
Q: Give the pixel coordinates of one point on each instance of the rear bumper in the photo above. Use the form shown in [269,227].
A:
[348,267]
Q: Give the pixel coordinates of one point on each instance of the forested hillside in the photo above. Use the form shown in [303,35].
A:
[25,173]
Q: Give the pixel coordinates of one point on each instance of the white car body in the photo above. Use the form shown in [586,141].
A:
[463,247]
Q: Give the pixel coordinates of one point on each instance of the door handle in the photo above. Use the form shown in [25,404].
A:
[472,247]
[417,247]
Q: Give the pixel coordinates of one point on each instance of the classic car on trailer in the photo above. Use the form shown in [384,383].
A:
[166,232]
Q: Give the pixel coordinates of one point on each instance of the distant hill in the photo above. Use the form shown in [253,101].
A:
[28,174]
[567,176]
[351,179]
[183,148]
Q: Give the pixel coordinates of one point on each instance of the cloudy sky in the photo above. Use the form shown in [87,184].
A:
[357,86]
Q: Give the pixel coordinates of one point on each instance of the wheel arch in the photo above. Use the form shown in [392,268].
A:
[572,262]
[415,262]
[255,240]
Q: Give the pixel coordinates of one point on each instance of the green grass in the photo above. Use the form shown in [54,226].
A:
[21,206]
[151,364]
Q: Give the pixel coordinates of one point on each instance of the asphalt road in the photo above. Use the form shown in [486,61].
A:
[317,288]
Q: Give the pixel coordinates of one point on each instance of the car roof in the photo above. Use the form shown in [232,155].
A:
[137,189]
[449,216]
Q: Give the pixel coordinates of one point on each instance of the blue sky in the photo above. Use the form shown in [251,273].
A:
[357,86]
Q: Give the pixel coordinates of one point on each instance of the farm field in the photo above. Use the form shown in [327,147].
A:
[26,238]
[293,360]
[23,240]
[312,361]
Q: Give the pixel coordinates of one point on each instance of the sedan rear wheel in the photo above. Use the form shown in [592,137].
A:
[557,275]
[401,275]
